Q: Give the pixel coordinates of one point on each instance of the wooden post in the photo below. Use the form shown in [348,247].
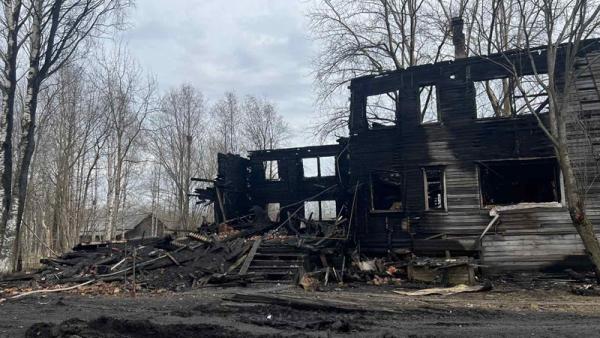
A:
[220,200]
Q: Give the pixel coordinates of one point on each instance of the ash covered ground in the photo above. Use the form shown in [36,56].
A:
[367,311]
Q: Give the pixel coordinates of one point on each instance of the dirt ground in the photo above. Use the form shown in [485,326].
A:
[502,312]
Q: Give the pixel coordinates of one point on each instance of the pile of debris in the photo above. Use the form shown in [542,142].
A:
[239,252]
[404,269]
[236,253]
[152,264]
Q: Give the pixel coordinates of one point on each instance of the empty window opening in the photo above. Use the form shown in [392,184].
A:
[271,170]
[320,210]
[387,191]
[530,95]
[310,167]
[435,197]
[311,210]
[381,110]
[319,166]
[523,181]
[507,97]
[493,98]
[328,210]
[327,166]
[428,104]
[273,210]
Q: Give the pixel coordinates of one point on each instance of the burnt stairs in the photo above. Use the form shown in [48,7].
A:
[275,261]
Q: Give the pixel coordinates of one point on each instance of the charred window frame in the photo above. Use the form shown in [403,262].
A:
[271,170]
[529,94]
[512,182]
[429,109]
[318,167]
[382,110]
[387,191]
[434,184]
[508,97]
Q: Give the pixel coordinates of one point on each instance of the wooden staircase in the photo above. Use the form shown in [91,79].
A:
[275,262]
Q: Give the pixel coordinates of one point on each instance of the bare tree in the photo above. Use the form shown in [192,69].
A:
[369,37]
[127,97]
[227,117]
[57,30]
[76,132]
[177,144]
[68,136]
[263,127]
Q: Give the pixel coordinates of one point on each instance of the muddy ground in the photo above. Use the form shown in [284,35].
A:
[502,312]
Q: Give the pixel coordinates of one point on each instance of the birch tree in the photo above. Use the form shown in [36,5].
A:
[11,29]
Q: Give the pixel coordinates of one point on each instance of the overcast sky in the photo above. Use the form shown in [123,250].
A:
[258,47]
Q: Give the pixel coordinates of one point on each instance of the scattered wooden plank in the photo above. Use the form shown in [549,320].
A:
[446,291]
[21,295]
[172,259]
[250,256]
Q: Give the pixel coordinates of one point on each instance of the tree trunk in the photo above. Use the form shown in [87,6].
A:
[576,207]
[110,178]
[27,142]
[12,16]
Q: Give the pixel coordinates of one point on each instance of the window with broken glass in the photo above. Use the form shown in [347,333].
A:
[381,110]
[435,195]
[387,191]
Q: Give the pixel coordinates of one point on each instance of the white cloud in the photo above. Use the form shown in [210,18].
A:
[258,47]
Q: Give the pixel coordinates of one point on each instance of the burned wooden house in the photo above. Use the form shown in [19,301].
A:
[441,159]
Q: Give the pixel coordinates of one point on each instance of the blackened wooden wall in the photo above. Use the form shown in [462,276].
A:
[543,238]
[458,142]
[292,187]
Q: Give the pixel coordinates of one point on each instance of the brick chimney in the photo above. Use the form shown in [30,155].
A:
[458,38]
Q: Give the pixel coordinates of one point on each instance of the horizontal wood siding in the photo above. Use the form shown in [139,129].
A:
[458,143]
[544,238]
[532,252]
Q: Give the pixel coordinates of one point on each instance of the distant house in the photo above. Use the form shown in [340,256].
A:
[129,226]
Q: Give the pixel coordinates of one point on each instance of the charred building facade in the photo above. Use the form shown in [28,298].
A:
[441,159]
